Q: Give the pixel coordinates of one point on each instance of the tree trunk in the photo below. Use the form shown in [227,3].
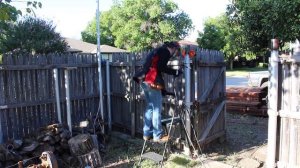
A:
[81,144]
[83,147]
[231,64]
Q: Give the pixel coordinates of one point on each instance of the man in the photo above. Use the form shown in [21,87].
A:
[152,83]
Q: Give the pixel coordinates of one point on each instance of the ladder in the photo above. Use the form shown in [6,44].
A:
[168,122]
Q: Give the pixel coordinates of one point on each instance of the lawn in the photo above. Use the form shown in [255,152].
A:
[243,71]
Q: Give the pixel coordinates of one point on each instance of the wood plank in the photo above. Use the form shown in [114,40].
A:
[289,114]
[293,142]
[45,66]
[298,144]
[39,102]
[211,86]
[212,121]
[2,126]
[2,88]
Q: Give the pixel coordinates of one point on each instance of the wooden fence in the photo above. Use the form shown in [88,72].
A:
[284,109]
[288,134]
[27,92]
[27,87]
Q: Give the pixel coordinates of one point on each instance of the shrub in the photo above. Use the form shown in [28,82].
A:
[32,35]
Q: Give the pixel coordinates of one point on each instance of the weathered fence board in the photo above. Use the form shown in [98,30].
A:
[288,149]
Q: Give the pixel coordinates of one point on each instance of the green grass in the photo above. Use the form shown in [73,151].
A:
[180,161]
[243,71]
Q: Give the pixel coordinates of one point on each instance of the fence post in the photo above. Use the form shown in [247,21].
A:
[187,75]
[2,102]
[55,74]
[68,100]
[132,94]
[108,94]
[273,104]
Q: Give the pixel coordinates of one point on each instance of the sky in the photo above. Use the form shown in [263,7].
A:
[72,16]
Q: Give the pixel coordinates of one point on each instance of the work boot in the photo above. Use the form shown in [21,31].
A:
[147,138]
[162,139]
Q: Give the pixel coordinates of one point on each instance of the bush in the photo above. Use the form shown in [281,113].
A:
[32,35]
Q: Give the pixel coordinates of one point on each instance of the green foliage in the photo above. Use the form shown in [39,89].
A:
[8,12]
[221,34]
[32,35]
[249,55]
[262,65]
[11,13]
[264,20]
[138,24]
[213,36]
[90,33]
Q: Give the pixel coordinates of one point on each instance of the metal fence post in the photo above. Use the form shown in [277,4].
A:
[187,75]
[273,104]
[55,74]
[108,95]
[68,98]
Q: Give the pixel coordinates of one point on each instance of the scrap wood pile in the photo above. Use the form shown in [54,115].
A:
[53,138]
[247,100]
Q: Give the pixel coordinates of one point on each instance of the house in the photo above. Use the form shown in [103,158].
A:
[75,46]
[190,43]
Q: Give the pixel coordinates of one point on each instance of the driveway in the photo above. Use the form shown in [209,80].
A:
[239,81]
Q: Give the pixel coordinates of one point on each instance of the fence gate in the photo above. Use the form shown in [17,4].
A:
[207,95]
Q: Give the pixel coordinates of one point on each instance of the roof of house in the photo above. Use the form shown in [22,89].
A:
[185,42]
[81,46]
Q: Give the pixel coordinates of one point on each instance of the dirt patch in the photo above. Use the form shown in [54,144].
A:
[245,136]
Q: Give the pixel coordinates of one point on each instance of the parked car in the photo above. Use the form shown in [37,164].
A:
[258,79]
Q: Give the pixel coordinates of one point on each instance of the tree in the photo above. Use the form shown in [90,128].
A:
[264,20]
[213,36]
[32,35]
[90,33]
[221,33]
[10,13]
[138,24]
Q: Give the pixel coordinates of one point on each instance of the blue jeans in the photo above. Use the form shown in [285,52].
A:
[152,118]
